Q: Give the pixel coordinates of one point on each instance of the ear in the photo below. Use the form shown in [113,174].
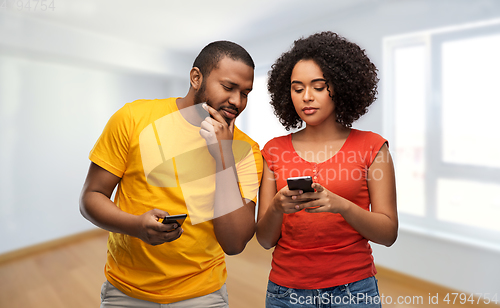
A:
[196,78]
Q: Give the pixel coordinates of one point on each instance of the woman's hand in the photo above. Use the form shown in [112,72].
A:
[321,200]
[290,201]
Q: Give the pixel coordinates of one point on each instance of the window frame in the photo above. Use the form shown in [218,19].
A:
[429,223]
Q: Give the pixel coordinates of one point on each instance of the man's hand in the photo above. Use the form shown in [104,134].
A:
[153,232]
[218,135]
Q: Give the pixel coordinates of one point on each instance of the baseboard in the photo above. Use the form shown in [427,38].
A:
[31,250]
[409,280]
[432,288]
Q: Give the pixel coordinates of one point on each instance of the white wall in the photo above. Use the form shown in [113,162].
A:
[58,88]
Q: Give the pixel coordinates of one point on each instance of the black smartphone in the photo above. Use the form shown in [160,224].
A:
[300,183]
[179,219]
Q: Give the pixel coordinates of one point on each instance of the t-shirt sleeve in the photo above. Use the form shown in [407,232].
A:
[111,149]
[374,143]
[249,171]
[267,154]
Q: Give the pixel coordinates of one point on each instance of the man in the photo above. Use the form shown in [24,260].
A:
[177,156]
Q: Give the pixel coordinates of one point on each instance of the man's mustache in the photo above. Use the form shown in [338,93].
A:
[230,107]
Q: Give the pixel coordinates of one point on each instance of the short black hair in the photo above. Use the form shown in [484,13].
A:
[344,65]
[210,55]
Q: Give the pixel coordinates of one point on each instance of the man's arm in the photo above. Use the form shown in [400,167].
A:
[234,216]
[96,206]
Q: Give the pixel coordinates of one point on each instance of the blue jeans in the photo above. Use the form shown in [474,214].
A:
[362,293]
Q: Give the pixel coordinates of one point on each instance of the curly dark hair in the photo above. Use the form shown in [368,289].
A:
[345,66]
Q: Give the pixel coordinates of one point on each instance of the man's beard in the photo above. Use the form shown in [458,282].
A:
[199,97]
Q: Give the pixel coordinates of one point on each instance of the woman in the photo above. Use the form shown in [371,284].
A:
[322,254]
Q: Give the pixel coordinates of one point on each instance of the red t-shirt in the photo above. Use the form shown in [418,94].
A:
[321,250]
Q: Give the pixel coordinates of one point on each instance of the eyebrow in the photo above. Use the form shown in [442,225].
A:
[314,80]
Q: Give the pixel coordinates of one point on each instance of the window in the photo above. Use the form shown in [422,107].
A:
[409,137]
[442,114]
[259,111]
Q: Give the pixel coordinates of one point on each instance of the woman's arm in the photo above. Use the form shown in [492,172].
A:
[269,219]
[380,225]
[272,205]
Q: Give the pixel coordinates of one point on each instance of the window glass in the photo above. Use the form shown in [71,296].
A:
[409,94]
[471,102]
[469,203]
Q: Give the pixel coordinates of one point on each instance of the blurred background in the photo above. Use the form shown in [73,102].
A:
[66,66]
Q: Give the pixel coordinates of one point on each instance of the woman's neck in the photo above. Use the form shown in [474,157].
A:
[325,132]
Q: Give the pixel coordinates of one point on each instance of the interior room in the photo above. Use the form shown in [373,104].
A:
[66,66]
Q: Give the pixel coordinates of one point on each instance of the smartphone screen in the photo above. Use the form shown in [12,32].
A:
[179,219]
[300,183]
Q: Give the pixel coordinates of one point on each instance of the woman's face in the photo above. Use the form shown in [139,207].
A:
[310,95]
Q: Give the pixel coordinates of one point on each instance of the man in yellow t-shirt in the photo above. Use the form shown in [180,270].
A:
[177,156]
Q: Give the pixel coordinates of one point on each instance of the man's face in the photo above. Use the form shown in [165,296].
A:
[226,88]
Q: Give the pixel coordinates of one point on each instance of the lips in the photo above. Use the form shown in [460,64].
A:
[229,113]
[309,110]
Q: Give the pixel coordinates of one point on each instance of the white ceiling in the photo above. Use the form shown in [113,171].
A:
[164,36]
[186,25]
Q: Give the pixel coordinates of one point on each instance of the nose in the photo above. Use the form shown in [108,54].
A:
[308,96]
[236,100]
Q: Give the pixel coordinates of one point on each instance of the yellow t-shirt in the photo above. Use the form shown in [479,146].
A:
[164,163]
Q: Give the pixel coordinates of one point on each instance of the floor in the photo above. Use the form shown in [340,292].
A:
[71,276]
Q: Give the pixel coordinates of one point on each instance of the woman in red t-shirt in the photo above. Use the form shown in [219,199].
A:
[322,254]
